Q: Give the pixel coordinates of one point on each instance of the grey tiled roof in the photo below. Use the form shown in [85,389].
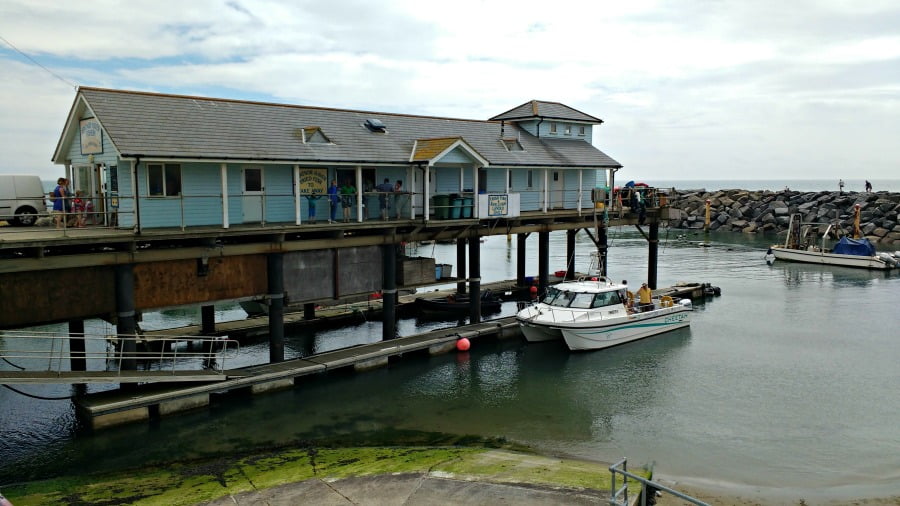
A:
[174,126]
[547,110]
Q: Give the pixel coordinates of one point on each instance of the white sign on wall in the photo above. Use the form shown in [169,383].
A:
[91,137]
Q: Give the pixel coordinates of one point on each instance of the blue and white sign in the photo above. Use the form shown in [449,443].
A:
[91,137]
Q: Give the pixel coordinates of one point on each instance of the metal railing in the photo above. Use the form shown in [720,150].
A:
[52,352]
[282,208]
[649,488]
[563,314]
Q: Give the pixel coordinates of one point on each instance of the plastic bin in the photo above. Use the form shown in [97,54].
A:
[438,271]
[467,207]
[441,207]
[447,270]
[456,210]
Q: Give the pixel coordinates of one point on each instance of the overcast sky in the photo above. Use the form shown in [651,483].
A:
[763,89]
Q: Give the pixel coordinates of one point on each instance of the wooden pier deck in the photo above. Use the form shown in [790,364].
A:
[124,406]
[166,392]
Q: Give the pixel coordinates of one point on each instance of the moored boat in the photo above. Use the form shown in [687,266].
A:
[807,242]
[596,313]
[457,304]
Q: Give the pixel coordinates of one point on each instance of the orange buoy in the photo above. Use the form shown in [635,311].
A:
[463,344]
[533,291]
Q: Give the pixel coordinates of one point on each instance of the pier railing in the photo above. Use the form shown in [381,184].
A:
[649,488]
[50,352]
[286,208]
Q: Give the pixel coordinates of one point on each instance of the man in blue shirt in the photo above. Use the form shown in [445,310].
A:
[384,188]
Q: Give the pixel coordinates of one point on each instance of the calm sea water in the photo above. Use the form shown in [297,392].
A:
[806,185]
[785,386]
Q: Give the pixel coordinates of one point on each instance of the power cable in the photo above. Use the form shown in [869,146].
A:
[39,397]
[32,60]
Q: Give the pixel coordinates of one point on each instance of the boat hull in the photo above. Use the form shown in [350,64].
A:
[626,330]
[444,307]
[539,333]
[819,257]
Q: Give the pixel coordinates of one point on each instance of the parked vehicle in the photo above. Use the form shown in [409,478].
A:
[21,199]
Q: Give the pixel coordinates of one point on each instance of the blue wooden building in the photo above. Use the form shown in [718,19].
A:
[149,160]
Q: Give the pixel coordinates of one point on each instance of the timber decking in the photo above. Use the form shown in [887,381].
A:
[104,403]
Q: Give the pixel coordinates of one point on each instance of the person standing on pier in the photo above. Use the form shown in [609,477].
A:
[384,188]
[398,201]
[333,200]
[348,198]
[312,198]
[58,197]
[841,186]
[868,187]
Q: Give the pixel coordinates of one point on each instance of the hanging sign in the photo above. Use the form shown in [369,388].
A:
[91,137]
[313,181]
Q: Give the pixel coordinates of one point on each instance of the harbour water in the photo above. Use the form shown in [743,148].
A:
[783,387]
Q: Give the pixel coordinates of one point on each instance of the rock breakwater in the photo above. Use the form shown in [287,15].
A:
[770,211]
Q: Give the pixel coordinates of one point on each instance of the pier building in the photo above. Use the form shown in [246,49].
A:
[198,201]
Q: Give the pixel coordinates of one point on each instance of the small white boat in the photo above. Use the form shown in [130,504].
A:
[804,243]
[595,313]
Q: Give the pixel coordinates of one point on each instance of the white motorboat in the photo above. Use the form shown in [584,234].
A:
[595,313]
[804,243]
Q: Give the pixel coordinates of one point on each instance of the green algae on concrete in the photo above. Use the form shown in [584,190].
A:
[195,482]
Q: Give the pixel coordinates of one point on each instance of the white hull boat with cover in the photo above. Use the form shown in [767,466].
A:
[805,244]
[596,313]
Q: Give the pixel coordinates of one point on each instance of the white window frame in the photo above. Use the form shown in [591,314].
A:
[581,131]
[165,167]
[552,128]
[529,179]
[567,130]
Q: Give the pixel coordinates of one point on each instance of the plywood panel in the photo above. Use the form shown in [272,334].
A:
[179,282]
[37,297]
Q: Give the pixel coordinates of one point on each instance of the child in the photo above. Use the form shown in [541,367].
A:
[78,208]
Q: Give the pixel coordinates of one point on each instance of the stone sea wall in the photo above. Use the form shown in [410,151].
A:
[770,211]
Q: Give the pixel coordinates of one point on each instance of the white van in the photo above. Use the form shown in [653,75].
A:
[21,199]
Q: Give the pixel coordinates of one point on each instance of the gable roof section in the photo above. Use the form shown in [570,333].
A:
[537,109]
[161,126]
[432,150]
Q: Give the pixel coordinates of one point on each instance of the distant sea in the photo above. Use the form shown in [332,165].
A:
[804,185]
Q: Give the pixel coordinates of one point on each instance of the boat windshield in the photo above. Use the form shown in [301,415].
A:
[606,299]
[580,300]
[552,293]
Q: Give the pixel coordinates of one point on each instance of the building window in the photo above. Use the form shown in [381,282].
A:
[552,128]
[581,130]
[568,130]
[164,180]
[530,181]
[512,145]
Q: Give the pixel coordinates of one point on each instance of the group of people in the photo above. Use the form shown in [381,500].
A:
[385,188]
[868,186]
[342,196]
[69,209]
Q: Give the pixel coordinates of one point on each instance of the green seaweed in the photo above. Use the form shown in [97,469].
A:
[362,454]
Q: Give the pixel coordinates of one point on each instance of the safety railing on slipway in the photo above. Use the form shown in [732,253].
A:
[316,209]
[649,488]
[51,352]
